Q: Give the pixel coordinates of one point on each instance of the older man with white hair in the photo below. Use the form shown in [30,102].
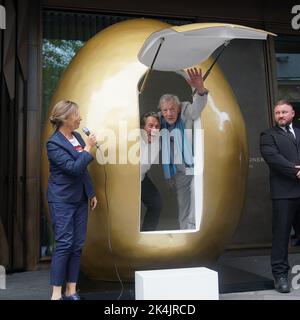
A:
[177,147]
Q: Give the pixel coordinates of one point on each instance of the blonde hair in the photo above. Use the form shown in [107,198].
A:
[61,111]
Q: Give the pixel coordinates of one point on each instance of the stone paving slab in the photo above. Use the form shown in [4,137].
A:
[34,285]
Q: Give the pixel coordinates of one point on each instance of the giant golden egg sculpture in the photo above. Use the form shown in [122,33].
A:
[103,79]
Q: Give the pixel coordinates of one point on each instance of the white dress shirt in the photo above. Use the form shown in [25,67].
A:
[291,129]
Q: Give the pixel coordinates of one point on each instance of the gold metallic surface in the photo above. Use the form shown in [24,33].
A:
[103,79]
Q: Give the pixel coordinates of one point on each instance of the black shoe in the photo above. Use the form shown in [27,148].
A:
[74,296]
[295,241]
[282,285]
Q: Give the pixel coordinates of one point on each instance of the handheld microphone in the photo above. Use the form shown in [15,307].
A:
[87,132]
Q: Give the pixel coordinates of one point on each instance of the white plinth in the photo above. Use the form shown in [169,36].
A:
[177,284]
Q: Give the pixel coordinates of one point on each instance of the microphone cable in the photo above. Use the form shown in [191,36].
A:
[87,132]
[109,233]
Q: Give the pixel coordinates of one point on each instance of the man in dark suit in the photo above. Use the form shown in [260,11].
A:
[280,147]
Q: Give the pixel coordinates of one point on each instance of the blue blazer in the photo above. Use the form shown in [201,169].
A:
[69,179]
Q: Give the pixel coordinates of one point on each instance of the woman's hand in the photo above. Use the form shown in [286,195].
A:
[93,203]
[90,143]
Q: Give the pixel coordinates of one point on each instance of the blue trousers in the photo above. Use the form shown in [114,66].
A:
[69,223]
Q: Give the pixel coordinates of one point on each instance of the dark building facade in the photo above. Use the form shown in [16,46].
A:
[258,72]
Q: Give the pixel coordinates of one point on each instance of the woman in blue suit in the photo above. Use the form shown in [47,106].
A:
[69,192]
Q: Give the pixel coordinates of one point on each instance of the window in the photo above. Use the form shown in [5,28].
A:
[288,71]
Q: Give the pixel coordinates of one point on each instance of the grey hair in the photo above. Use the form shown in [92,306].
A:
[168,97]
[147,115]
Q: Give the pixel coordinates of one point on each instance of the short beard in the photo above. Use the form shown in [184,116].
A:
[287,124]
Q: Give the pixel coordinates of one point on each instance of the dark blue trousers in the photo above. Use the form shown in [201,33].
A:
[153,202]
[69,223]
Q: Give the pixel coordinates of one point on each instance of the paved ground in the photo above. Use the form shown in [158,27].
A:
[260,265]
[34,285]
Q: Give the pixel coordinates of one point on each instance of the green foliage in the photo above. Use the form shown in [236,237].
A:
[57,55]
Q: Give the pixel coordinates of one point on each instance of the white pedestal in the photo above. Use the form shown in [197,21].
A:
[177,284]
[2,278]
